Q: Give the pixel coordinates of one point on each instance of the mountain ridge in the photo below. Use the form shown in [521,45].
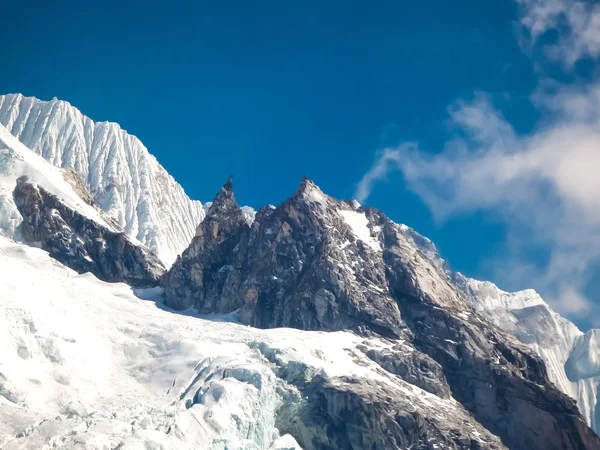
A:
[320,264]
[49,207]
[123,177]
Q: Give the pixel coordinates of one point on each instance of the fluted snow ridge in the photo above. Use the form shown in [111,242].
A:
[123,177]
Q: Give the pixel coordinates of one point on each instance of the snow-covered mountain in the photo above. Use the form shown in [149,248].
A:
[122,176]
[91,365]
[386,346]
[51,208]
[16,161]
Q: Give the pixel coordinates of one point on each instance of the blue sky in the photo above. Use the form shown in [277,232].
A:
[272,91]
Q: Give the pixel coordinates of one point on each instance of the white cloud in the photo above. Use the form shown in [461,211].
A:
[384,162]
[545,186]
[575,23]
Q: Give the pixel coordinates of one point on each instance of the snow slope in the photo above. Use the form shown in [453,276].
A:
[122,176]
[89,365]
[86,364]
[358,223]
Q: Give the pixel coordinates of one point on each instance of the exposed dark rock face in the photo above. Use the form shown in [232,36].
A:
[81,243]
[504,386]
[367,415]
[287,270]
[315,263]
[208,262]
[325,412]
[413,367]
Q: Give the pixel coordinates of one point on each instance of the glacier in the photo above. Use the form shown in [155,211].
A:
[90,365]
[123,177]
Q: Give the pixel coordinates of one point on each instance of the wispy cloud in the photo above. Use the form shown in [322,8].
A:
[386,160]
[544,185]
[575,24]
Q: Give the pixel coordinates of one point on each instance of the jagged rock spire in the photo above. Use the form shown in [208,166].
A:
[213,246]
[306,184]
[224,202]
[309,191]
[229,185]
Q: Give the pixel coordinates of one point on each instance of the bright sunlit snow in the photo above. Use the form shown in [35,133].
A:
[359,224]
[92,366]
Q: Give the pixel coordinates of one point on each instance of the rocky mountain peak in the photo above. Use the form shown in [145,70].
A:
[308,191]
[228,186]
[211,253]
[224,202]
[408,361]
[316,263]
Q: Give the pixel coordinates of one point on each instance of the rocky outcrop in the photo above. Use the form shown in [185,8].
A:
[504,386]
[556,340]
[367,414]
[201,271]
[293,268]
[80,242]
[379,411]
[315,263]
[411,366]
